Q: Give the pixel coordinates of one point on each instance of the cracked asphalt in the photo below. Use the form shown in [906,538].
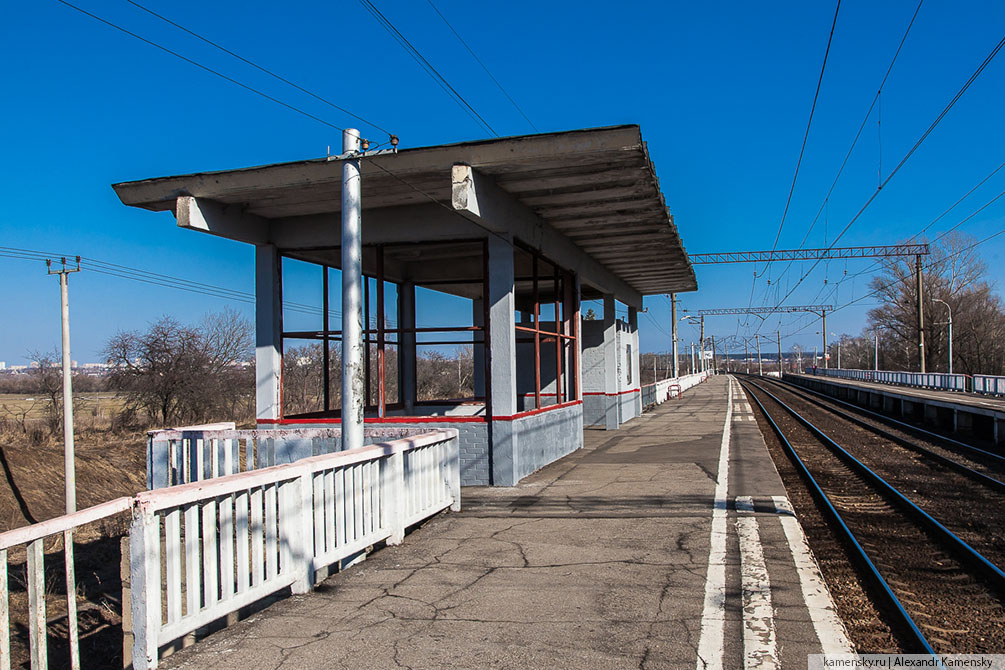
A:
[596,561]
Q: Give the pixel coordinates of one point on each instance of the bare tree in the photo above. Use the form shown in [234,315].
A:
[954,273]
[175,373]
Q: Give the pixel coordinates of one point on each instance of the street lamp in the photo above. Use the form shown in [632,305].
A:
[950,332]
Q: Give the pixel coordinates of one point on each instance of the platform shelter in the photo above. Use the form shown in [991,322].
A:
[520,230]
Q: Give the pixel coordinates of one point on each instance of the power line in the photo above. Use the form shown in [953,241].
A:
[479,61]
[424,64]
[903,161]
[257,66]
[861,127]
[202,67]
[809,122]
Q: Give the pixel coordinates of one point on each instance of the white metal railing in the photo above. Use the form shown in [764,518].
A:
[667,389]
[990,385]
[196,453]
[33,538]
[202,550]
[225,543]
[929,380]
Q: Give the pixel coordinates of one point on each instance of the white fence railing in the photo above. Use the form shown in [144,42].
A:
[989,385]
[929,380]
[228,542]
[196,453]
[33,538]
[203,550]
[667,389]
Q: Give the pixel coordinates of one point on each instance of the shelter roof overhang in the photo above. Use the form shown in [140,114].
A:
[588,199]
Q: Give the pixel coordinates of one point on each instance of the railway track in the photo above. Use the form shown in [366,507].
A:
[983,459]
[938,593]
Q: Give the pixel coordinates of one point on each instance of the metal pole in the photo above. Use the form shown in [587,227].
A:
[875,362]
[823,330]
[950,332]
[714,371]
[725,354]
[746,354]
[673,332]
[760,368]
[778,334]
[921,315]
[950,341]
[701,343]
[839,354]
[692,358]
[352,307]
[68,465]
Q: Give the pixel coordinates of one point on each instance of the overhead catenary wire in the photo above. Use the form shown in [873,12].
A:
[854,142]
[258,67]
[424,63]
[809,123]
[903,161]
[205,68]
[483,66]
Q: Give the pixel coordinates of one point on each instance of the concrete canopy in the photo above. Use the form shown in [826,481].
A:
[587,199]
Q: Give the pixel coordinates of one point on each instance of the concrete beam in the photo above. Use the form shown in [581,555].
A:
[228,221]
[385,225]
[478,198]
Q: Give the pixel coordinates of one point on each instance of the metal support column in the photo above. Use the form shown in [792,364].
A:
[673,334]
[921,315]
[352,308]
[823,331]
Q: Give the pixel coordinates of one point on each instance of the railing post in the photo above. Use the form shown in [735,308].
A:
[145,586]
[392,496]
[454,464]
[158,462]
[37,639]
[296,505]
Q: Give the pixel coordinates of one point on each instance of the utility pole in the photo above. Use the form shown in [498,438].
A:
[714,371]
[760,368]
[68,450]
[921,316]
[875,362]
[823,331]
[673,332]
[746,355]
[950,332]
[352,284]
[68,453]
[701,342]
[778,334]
[692,358]
[725,353]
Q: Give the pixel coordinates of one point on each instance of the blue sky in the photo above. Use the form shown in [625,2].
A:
[721,90]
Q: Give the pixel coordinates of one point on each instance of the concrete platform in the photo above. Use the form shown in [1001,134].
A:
[970,414]
[629,553]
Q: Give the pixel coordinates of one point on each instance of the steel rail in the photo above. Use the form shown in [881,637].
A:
[982,453]
[987,480]
[992,572]
[892,600]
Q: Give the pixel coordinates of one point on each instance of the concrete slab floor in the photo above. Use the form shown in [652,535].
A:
[597,561]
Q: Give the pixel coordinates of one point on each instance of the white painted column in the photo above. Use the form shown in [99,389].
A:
[502,361]
[611,381]
[633,326]
[406,347]
[478,350]
[268,332]
[352,290]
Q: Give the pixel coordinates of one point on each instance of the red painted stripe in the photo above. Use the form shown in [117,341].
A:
[386,419]
[426,419]
[541,410]
[612,394]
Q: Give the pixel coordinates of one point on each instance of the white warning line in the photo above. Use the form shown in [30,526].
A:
[711,643]
[759,648]
[830,631]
